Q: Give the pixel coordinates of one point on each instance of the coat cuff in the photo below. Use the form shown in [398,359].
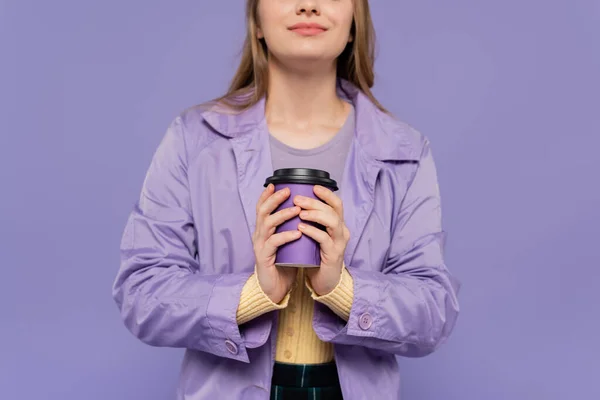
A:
[254,302]
[340,299]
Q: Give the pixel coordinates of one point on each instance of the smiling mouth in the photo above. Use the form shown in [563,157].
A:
[308,29]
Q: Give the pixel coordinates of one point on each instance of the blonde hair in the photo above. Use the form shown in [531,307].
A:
[355,64]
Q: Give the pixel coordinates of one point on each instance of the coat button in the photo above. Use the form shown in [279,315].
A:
[231,347]
[365,321]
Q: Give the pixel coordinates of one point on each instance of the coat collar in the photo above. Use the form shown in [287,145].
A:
[380,135]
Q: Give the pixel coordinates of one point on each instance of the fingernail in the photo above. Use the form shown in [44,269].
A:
[301,226]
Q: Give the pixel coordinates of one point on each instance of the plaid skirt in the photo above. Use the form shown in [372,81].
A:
[305,381]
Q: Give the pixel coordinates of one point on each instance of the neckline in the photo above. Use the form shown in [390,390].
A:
[346,127]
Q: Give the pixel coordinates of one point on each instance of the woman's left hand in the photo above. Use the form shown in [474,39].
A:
[333,241]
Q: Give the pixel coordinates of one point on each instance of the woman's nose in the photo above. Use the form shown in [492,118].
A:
[308,7]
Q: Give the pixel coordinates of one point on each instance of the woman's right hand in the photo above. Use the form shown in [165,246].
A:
[275,281]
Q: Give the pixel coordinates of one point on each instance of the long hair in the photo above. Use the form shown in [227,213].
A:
[355,64]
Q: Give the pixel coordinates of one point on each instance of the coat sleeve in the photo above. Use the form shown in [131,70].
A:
[164,297]
[408,306]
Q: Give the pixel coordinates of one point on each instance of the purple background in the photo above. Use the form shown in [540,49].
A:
[508,92]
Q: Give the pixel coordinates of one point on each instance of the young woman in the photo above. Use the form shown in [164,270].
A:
[199,248]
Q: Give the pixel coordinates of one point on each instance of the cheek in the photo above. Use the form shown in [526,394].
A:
[272,13]
[343,33]
[343,20]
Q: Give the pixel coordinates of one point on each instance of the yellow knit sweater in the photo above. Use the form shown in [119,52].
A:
[297,342]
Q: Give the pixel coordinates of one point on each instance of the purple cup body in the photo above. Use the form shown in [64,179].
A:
[304,252]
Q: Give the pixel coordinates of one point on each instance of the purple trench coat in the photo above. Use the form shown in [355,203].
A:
[186,253]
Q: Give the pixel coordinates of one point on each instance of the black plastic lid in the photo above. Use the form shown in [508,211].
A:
[306,176]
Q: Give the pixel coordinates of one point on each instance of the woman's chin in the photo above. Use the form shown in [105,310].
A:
[306,60]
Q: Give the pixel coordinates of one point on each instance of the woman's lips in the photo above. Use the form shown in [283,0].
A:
[306,29]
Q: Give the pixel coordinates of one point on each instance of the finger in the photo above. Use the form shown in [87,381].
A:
[280,217]
[265,195]
[272,202]
[261,200]
[346,233]
[323,238]
[327,219]
[279,239]
[308,203]
[330,198]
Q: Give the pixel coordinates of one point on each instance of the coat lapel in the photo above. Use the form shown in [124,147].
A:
[249,138]
[358,195]
[379,138]
[253,159]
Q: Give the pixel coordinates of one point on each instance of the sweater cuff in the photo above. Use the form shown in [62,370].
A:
[254,302]
[340,299]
